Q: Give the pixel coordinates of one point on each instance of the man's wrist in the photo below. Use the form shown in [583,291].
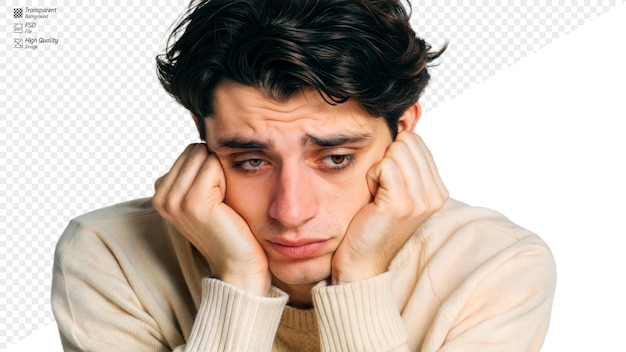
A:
[357,272]
[255,284]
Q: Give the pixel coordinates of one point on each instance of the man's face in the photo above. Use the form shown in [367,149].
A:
[295,171]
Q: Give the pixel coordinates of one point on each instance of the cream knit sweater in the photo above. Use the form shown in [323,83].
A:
[468,280]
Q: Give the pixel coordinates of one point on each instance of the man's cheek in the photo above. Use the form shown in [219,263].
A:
[241,198]
[362,194]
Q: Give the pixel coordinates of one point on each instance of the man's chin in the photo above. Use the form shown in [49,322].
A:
[300,274]
[304,281]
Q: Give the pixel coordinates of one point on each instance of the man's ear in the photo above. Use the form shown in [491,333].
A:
[195,120]
[409,119]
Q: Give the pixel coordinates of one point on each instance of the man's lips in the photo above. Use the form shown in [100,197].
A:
[301,249]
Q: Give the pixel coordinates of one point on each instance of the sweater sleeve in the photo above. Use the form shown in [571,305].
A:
[359,316]
[100,305]
[230,319]
[499,300]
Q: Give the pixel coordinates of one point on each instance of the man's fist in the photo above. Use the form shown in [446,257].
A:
[191,197]
[407,190]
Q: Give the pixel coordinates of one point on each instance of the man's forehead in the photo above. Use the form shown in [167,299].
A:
[237,101]
[244,118]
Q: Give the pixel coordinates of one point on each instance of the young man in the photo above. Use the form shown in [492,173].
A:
[312,218]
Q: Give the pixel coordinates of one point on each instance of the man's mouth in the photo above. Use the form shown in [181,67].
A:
[301,249]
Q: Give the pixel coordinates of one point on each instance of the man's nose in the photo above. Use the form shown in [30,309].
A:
[294,202]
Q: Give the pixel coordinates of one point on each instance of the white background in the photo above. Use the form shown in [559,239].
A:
[541,141]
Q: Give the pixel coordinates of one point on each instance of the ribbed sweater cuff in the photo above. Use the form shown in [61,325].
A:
[230,319]
[359,316]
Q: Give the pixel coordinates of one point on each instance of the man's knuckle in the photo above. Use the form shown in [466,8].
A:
[170,205]
[158,200]
[186,204]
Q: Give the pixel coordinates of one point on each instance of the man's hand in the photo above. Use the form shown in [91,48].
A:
[407,190]
[191,197]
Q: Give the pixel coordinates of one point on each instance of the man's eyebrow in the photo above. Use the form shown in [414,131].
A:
[240,143]
[334,140]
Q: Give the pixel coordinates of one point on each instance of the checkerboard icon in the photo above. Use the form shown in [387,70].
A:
[18,13]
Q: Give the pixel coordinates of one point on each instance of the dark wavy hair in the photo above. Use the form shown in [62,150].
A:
[364,50]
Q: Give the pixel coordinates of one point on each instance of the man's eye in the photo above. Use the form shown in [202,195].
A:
[337,162]
[249,166]
[337,159]
[254,162]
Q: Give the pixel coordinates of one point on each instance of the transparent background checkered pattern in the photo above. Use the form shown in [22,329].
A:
[487,36]
[84,124]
